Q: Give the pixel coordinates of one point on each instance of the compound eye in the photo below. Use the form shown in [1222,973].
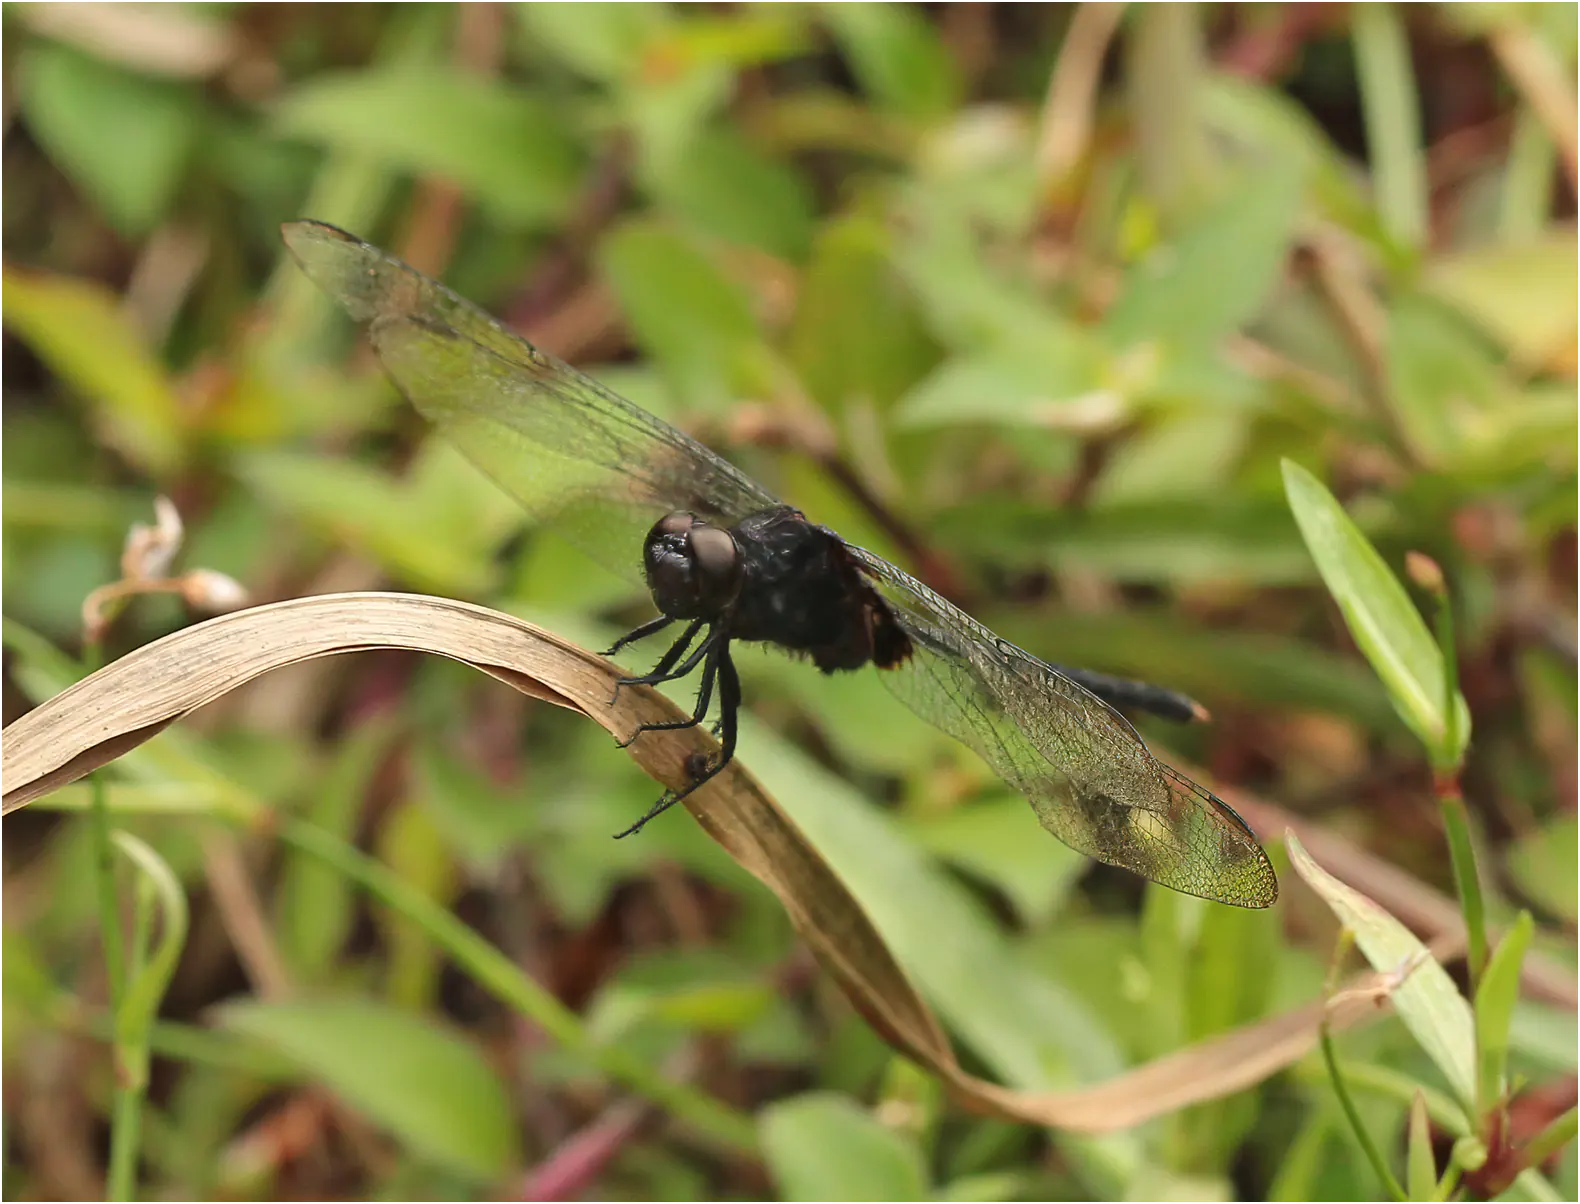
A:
[677,522]
[716,559]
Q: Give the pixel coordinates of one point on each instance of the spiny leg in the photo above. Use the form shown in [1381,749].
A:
[661,671]
[704,696]
[651,627]
[729,712]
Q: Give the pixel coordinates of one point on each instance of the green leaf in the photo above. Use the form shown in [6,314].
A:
[1427,1001]
[897,56]
[140,1001]
[412,845]
[1266,122]
[1034,1032]
[505,146]
[1229,981]
[314,905]
[988,840]
[1523,295]
[821,1146]
[1441,376]
[123,138]
[726,186]
[700,990]
[1546,864]
[988,1186]
[685,312]
[1393,121]
[1067,388]
[1495,999]
[857,336]
[371,513]
[430,1088]
[1215,276]
[602,41]
[1384,623]
[78,328]
[1420,1166]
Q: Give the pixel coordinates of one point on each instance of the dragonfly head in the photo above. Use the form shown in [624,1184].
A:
[693,568]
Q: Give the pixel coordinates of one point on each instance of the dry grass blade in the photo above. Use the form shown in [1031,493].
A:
[126,703]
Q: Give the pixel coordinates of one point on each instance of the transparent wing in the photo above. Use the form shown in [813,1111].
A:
[596,468]
[1087,774]
[600,470]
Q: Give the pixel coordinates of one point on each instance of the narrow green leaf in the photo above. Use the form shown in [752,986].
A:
[494,140]
[430,1088]
[1553,1138]
[1420,1168]
[140,1002]
[1393,124]
[1386,626]
[78,328]
[1495,999]
[1427,1000]
[821,1146]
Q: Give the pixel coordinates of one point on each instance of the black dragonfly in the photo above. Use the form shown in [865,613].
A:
[728,561]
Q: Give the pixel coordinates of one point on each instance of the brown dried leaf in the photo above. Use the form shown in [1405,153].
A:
[126,703]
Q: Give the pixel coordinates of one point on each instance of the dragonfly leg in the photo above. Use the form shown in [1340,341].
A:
[651,627]
[729,712]
[704,696]
[661,671]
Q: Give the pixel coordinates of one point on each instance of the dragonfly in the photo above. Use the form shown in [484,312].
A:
[725,561]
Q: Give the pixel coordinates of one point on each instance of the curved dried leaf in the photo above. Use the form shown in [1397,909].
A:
[102,716]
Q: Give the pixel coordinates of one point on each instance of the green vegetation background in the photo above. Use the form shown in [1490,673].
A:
[1059,286]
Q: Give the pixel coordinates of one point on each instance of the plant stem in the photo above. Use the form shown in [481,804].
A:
[1373,1154]
[1447,758]
[1456,824]
[722,1126]
[130,1061]
[126,1127]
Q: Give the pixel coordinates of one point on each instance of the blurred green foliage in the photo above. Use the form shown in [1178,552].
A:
[1063,317]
